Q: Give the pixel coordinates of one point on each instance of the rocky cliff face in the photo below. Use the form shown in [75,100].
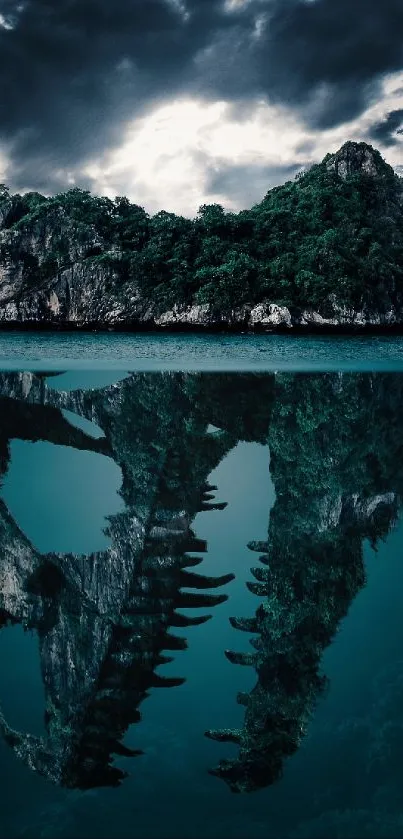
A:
[355,158]
[270,317]
[60,269]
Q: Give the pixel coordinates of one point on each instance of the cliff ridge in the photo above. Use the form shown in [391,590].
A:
[324,251]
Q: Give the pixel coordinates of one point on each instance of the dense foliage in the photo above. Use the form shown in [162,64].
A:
[315,241]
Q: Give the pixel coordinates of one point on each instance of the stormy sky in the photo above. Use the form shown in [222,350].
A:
[176,103]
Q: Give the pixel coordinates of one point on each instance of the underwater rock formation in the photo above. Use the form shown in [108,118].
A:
[107,621]
[336,445]
[104,621]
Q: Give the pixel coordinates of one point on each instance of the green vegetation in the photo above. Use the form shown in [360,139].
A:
[319,240]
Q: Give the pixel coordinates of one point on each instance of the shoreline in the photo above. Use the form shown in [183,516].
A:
[139,327]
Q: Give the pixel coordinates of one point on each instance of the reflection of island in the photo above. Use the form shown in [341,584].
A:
[104,621]
[336,447]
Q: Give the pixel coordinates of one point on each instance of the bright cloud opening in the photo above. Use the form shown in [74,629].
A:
[168,158]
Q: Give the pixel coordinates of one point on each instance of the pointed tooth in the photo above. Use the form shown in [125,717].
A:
[173,642]
[157,681]
[183,620]
[119,748]
[189,580]
[258,547]
[193,545]
[261,574]
[191,561]
[218,505]
[168,562]
[189,600]
[163,659]
[257,588]
[246,659]
[256,643]
[244,624]
[224,735]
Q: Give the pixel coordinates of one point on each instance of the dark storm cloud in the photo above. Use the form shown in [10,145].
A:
[246,184]
[387,131]
[324,58]
[74,72]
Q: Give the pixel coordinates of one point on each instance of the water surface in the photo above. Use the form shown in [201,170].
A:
[103,352]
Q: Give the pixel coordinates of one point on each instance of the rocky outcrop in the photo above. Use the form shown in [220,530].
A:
[356,158]
[311,567]
[80,298]
[270,317]
[71,262]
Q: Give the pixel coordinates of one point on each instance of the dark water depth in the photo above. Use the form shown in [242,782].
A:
[201,588]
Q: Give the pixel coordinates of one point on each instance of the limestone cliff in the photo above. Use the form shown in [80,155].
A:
[324,252]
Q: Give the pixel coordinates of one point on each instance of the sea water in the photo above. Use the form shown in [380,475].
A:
[147,484]
[103,351]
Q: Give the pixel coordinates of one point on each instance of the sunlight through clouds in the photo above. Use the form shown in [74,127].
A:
[4,23]
[3,167]
[225,83]
[167,159]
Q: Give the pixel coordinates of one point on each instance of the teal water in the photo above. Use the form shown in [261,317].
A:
[46,491]
[103,352]
[133,507]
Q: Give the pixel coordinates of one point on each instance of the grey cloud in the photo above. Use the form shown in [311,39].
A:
[323,58]
[74,72]
[386,130]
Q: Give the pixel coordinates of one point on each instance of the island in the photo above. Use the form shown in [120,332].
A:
[323,252]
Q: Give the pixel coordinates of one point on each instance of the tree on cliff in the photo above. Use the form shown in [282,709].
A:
[333,236]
